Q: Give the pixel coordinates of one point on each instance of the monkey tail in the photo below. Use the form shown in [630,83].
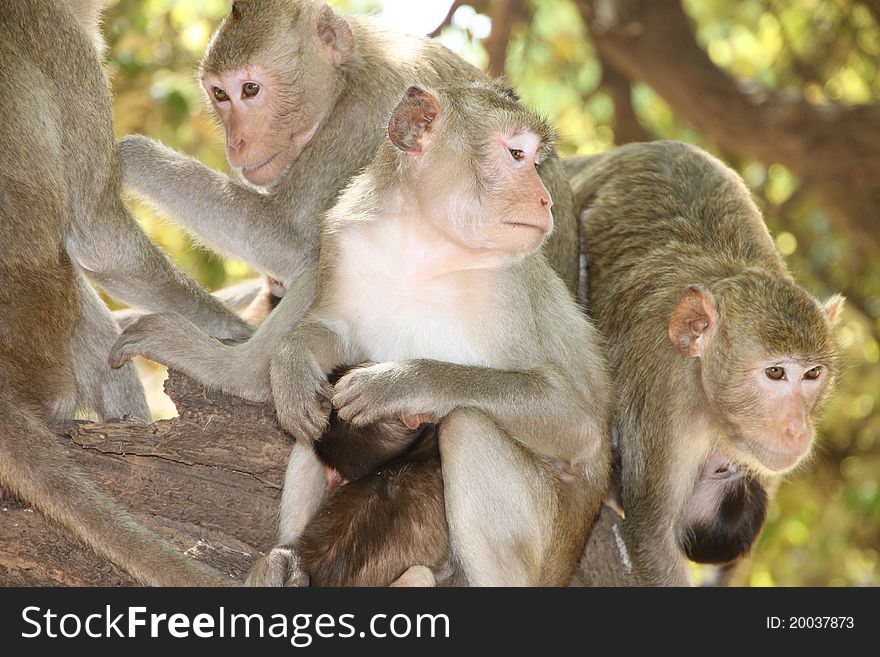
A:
[34,467]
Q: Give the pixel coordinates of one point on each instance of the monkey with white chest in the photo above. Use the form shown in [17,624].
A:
[430,267]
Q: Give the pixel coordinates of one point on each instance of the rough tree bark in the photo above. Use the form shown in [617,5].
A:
[834,149]
[209,481]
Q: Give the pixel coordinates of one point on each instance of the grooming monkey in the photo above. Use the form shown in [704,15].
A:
[431,267]
[60,216]
[721,362]
[304,95]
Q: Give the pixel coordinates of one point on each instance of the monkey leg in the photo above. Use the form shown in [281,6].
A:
[110,393]
[108,243]
[305,487]
[237,297]
[416,576]
[500,502]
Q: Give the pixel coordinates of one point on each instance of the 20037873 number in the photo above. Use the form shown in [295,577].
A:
[810,623]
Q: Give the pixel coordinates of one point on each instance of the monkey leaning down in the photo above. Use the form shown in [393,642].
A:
[720,360]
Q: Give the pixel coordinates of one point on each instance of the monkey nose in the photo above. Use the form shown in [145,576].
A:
[236,143]
[546,202]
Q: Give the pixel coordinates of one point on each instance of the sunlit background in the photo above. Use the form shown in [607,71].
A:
[824,527]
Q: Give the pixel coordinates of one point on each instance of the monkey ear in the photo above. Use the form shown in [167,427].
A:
[335,33]
[691,321]
[834,307]
[411,120]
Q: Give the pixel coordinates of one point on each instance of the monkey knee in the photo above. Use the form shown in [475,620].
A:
[466,431]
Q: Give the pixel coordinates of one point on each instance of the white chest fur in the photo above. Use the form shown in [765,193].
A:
[405,293]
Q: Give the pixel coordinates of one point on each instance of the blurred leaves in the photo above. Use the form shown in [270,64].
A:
[824,527]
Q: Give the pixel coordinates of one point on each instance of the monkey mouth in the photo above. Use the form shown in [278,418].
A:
[776,460]
[248,171]
[520,224]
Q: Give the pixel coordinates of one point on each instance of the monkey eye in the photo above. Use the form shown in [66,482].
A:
[517,154]
[250,89]
[814,373]
[775,373]
[219,94]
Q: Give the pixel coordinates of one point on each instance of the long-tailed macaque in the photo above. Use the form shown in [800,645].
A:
[61,217]
[431,268]
[304,95]
[720,360]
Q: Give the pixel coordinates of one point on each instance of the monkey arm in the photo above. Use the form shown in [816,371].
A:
[298,377]
[237,297]
[115,252]
[540,407]
[241,369]
[230,217]
[653,490]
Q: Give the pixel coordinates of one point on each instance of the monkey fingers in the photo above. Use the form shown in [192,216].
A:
[368,394]
[281,567]
[304,413]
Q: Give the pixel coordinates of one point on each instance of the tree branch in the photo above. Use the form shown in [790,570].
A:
[837,147]
[505,15]
[209,481]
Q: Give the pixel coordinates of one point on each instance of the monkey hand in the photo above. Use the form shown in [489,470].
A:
[367,394]
[233,331]
[149,336]
[281,567]
[302,403]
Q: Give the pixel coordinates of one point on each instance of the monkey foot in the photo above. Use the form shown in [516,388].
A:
[281,567]
[416,576]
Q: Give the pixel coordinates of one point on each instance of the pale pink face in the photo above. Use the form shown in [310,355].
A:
[785,392]
[511,216]
[519,200]
[263,137]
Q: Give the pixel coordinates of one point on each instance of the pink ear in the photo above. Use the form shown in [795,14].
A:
[411,120]
[335,33]
[834,307]
[691,321]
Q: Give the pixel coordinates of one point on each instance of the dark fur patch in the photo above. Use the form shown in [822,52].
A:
[734,527]
[391,513]
[370,530]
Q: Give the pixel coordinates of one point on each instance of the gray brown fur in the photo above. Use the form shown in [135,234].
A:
[659,218]
[276,230]
[61,215]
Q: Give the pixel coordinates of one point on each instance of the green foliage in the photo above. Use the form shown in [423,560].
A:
[824,527]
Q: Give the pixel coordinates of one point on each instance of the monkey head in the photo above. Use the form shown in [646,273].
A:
[469,155]
[768,361]
[272,74]
[725,513]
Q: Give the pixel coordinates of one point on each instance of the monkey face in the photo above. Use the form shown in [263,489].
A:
[477,180]
[767,363]
[272,85]
[771,410]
